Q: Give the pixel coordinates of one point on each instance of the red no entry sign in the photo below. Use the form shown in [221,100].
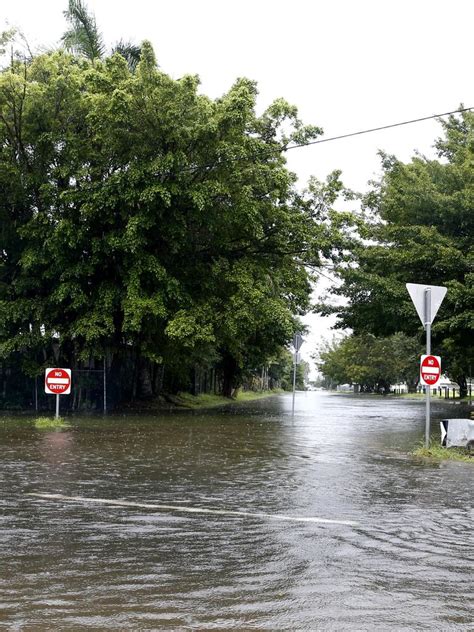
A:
[57,381]
[430,370]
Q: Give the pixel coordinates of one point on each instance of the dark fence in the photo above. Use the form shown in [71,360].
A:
[20,392]
[103,388]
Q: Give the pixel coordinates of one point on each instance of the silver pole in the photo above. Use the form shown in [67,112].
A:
[294,384]
[428,352]
[470,385]
[105,385]
[57,406]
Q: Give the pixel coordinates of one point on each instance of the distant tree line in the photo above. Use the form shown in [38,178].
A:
[147,228]
[375,364]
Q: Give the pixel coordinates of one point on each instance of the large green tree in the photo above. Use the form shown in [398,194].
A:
[417,227]
[141,219]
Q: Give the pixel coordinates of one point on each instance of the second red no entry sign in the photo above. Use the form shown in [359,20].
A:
[430,370]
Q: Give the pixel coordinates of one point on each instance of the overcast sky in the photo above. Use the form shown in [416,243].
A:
[348,65]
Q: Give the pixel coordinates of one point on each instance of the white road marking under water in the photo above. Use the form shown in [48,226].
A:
[194,510]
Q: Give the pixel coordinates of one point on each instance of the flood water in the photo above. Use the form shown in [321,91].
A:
[223,528]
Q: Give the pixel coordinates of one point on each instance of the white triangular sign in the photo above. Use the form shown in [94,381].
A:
[297,341]
[417,293]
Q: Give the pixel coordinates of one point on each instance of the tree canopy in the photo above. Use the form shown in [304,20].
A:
[417,226]
[142,220]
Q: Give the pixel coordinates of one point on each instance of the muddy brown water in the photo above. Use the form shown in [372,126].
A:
[223,527]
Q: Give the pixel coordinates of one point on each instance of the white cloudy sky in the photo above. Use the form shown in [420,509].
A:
[347,64]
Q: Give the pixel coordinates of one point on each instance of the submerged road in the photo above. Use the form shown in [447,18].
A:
[242,518]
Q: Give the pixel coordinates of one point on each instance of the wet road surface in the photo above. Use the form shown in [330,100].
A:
[243,518]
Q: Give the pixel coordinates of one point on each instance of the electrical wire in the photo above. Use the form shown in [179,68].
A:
[376,129]
[280,149]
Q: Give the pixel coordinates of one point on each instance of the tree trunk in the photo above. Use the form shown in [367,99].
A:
[230,372]
[136,361]
[462,381]
[4,383]
[158,375]
[144,378]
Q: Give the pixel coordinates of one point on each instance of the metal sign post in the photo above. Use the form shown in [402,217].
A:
[294,385]
[297,342]
[105,385]
[427,300]
[470,385]
[427,311]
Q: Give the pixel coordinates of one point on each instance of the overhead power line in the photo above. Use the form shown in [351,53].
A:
[280,149]
[376,129]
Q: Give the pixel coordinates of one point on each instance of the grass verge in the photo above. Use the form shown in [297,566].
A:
[51,423]
[438,453]
[206,400]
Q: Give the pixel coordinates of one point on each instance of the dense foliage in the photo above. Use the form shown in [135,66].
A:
[144,223]
[417,227]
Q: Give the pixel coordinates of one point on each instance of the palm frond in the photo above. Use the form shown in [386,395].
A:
[83,37]
[130,52]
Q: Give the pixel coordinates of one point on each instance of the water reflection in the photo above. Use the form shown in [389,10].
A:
[55,446]
[77,565]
